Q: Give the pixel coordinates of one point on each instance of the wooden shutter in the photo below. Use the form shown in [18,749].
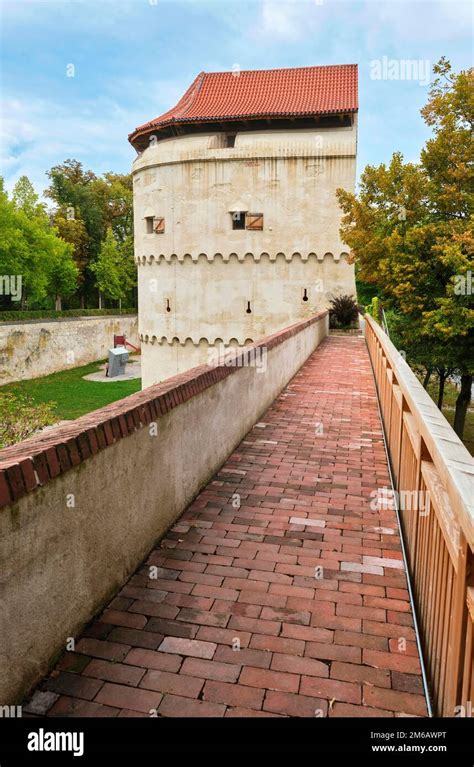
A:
[159,225]
[254,221]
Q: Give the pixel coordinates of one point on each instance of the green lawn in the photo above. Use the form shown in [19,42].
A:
[72,395]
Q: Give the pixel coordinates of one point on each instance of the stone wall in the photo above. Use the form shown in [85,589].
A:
[83,504]
[35,348]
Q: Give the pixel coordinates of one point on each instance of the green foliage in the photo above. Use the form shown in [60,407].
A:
[20,417]
[113,268]
[31,248]
[343,311]
[25,198]
[73,188]
[365,292]
[374,308]
[447,157]
[86,209]
[73,231]
[57,254]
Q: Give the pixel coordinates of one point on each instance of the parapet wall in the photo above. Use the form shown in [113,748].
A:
[34,348]
[81,505]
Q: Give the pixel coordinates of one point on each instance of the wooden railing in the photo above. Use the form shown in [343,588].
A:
[433,475]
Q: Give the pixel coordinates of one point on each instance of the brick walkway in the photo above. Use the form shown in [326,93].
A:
[303,577]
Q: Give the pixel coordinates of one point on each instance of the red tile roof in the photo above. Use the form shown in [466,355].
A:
[298,92]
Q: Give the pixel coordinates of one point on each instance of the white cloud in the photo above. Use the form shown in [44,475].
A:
[386,22]
[37,134]
[415,22]
[283,21]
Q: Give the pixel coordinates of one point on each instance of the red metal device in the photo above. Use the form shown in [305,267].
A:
[122,341]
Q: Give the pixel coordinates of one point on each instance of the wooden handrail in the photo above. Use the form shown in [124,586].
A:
[431,467]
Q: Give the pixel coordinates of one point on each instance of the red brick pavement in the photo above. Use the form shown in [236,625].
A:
[279,592]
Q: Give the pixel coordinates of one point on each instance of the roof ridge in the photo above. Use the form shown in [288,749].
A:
[279,69]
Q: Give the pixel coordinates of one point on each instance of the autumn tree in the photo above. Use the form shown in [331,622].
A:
[86,207]
[447,160]
[78,213]
[410,230]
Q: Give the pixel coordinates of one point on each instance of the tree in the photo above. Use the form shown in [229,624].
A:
[112,269]
[73,231]
[447,157]
[447,160]
[62,276]
[30,248]
[118,204]
[85,208]
[56,260]
[77,197]
[25,198]
[13,247]
[410,230]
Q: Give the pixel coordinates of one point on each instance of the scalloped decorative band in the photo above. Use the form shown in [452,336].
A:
[194,257]
[147,338]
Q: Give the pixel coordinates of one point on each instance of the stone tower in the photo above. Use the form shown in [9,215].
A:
[236,217]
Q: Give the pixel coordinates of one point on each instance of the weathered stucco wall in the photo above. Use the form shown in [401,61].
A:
[215,294]
[83,504]
[195,280]
[35,348]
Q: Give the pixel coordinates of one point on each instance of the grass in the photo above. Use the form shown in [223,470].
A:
[449,402]
[71,395]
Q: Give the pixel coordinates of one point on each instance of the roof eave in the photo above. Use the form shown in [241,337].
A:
[158,125]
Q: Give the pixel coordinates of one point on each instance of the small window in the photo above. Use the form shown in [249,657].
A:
[238,219]
[254,221]
[229,140]
[154,225]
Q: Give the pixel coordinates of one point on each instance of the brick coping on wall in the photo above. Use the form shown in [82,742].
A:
[31,464]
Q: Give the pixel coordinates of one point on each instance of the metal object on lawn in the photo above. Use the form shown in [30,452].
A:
[118,359]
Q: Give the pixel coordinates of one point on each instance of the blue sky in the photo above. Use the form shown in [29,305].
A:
[133,59]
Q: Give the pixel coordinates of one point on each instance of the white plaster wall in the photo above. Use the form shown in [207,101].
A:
[35,348]
[208,302]
[208,271]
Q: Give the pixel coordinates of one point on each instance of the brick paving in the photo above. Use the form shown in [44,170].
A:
[279,591]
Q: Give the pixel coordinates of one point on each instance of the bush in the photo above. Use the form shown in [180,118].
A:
[374,309]
[20,417]
[52,314]
[343,311]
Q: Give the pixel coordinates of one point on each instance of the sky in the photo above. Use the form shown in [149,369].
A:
[77,76]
